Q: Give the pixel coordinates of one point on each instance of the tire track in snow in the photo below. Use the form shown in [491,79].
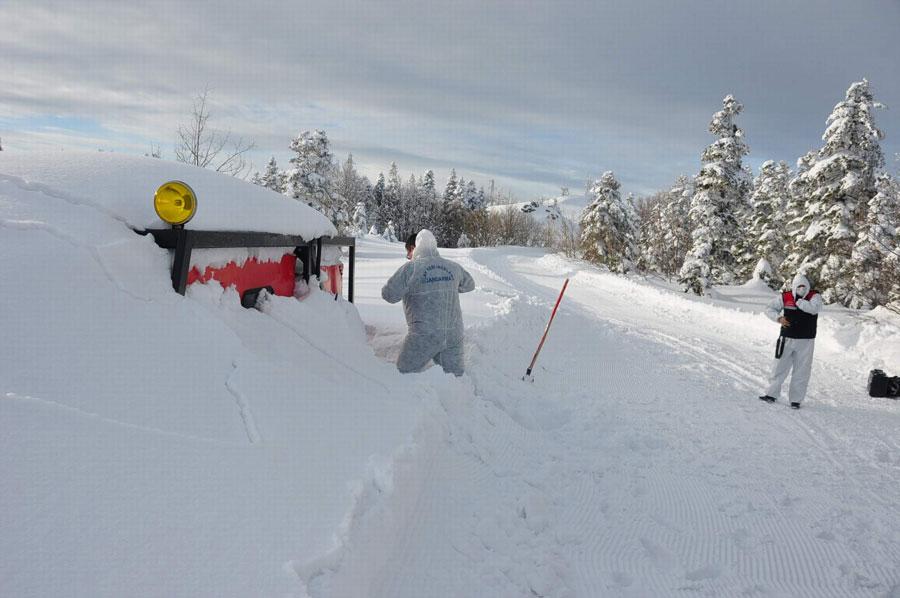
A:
[793,572]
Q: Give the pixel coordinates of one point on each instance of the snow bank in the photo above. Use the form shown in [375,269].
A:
[122,187]
[163,445]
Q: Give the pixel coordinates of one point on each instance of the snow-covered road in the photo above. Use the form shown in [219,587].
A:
[159,445]
[639,462]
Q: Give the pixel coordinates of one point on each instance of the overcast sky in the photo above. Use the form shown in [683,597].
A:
[531,94]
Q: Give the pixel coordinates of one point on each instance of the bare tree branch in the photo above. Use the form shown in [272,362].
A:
[202,146]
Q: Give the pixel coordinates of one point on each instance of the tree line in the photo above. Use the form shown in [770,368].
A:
[834,218]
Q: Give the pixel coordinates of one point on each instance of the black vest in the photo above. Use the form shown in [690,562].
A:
[803,325]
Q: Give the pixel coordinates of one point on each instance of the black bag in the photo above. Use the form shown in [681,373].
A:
[779,347]
[882,385]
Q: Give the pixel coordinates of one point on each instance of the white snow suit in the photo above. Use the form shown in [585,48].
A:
[794,349]
[430,286]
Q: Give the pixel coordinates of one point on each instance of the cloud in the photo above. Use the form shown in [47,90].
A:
[539,94]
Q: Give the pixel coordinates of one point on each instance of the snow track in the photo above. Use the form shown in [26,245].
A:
[639,463]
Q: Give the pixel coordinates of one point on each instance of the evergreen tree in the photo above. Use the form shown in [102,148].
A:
[450,191]
[875,261]
[676,225]
[390,233]
[719,201]
[392,205]
[414,213]
[453,221]
[429,201]
[378,212]
[428,185]
[360,220]
[797,216]
[449,218]
[743,247]
[651,233]
[461,190]
[608,235]
[272,178]
[838,189]
[470,197]
[312,177]
[351,185]
[768,231]
[481,200]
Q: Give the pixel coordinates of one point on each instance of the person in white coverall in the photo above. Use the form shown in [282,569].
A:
[429,287]
[797,311]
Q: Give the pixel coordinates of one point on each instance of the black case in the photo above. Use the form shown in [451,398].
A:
[882,385]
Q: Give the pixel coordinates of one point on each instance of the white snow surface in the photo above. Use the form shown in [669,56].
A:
[158,445]
[122,187]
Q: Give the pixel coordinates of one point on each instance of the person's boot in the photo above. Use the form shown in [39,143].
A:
[767,399]
[795,405]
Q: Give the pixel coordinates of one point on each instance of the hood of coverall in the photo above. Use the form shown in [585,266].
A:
[800,280]
[426,245]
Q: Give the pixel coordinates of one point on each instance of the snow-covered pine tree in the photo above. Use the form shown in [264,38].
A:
[797,217]
[428,185]
[360,221]
[839,186]
[676,224]
[767,229]
[450,191]
[390,233]
[463,241]
[377,212]
[481,200]
[450,218]
[429,201]
[743,247]
[719,199]
[651,242]
[311,180]
[461,190]
[470,197]
[453,221]
[875,261]
[350,184]
[607,227]
[272,178]
[414,211]
[392,205]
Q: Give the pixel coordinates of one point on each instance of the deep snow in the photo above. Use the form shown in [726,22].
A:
[158,445]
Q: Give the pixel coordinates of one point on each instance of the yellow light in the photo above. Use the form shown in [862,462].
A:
[175,202]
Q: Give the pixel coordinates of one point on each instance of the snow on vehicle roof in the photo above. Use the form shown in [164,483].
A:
[123,186]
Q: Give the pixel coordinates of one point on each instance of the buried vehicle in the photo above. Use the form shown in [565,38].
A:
[175,202]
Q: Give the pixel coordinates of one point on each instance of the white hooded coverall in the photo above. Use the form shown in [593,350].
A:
[430,286]
[798,352]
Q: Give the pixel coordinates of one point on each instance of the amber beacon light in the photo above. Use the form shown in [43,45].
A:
[175,202]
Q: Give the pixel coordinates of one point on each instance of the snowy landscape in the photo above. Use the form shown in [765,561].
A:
[219,280]
[159,445]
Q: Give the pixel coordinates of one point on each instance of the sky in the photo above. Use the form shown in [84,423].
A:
[533,95]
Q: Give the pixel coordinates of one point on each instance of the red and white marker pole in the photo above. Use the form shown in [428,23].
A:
[528,375]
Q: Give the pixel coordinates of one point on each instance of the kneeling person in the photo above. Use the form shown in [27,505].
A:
[429,287]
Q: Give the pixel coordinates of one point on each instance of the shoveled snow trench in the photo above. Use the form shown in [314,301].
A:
[638,463]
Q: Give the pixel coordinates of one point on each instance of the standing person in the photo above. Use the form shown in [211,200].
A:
[794,349]
[429,287]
